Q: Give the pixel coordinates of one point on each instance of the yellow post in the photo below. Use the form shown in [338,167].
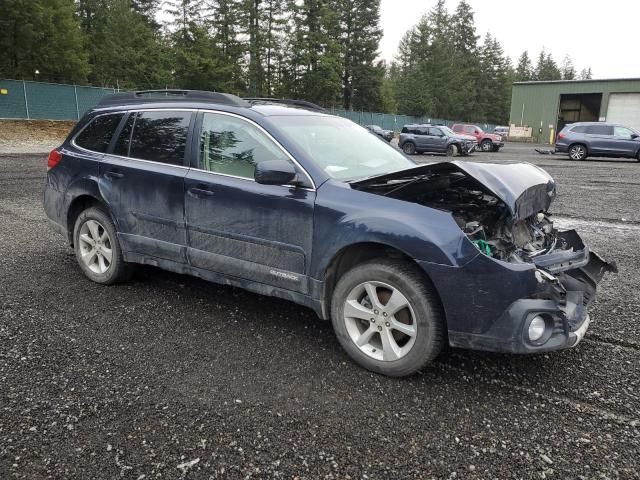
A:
[551,136]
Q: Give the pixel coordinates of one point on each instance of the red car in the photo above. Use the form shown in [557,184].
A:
[487,141]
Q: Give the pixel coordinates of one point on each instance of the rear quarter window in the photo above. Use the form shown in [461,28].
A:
[579,129]
[97,135]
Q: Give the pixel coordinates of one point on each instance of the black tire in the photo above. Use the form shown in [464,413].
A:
[409,148]
[117,270]
[577,151]
[452,150]
[424,303]
[486,145]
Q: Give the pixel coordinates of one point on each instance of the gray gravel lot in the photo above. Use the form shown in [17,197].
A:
[141,380]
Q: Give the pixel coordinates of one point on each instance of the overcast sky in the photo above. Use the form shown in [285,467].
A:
[601,35]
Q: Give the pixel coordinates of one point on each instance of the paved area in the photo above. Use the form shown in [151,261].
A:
[168,376]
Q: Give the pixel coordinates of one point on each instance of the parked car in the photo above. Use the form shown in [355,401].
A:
[298,204]
[428,138]
[379,131]
[502,131]
[488,141]
[583,139]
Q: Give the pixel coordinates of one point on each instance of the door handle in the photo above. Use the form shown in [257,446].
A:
[113,174]
[200,192]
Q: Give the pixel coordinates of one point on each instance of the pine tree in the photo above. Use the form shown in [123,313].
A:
[465,61]
[567,69]
[524,70]
[547,68]
[129,52]
[585,74]
[225,24]
[43,36]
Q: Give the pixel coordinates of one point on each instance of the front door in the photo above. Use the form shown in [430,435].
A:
[240,228]
[142,180]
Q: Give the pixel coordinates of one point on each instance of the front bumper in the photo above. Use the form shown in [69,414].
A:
[489,305]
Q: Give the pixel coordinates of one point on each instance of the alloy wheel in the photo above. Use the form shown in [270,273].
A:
[380,321]
[577,152]
[96,249]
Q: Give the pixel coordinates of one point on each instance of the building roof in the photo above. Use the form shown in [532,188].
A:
[539,82]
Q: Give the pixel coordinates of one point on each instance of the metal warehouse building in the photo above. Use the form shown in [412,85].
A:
[546,107]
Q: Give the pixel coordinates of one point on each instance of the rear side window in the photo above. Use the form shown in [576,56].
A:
[97,135]
[579,129]
[600,130]
[160,136]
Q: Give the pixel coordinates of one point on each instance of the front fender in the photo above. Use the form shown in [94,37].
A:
[345,217]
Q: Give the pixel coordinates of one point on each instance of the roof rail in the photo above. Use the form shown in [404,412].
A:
[286,101]
[158,96]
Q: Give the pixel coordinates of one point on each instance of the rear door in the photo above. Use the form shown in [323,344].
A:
[422,139]
[142,179]
[236,226]
[600,139]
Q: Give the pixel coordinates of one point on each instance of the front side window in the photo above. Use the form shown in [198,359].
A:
[622,132]
[232,146]
[159,136]
[97,135]
[436,132]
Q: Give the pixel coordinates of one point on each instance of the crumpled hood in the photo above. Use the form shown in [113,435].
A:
[525,188]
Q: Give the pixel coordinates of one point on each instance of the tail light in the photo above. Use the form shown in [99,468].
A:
[562,135]
[54,158]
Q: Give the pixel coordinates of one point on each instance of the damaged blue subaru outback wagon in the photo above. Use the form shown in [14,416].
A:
[282,199]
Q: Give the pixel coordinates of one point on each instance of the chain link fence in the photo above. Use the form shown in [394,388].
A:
[50,101]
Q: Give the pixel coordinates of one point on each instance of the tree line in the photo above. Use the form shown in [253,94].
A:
[324,51]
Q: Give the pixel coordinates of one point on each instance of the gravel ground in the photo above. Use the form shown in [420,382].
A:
[168,376]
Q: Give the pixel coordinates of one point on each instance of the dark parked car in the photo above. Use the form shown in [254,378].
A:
[434,139]
[379,131]
[580,140]
[302,205]
[489,142]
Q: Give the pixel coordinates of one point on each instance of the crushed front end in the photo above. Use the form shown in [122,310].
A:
[529,288]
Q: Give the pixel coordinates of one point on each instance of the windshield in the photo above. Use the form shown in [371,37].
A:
[447,131]
[343,149]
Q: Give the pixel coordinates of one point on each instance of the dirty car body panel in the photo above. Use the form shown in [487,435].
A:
[481,233]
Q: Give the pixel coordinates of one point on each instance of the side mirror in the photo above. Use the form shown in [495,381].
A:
[274,172]
[634,136]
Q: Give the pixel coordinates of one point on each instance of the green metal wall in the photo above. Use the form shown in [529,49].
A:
[537,103]
[36,100]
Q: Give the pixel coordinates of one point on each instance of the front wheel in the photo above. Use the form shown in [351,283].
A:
[486,145]
[97,248]
[409,148]
[387,317]
[452,150]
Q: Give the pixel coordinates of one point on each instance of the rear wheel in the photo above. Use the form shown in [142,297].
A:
[486,145]
[387,317]
[97,248]
[452,150]
[409,148]
[577,152]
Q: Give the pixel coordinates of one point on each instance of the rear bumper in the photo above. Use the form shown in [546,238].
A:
[489,305]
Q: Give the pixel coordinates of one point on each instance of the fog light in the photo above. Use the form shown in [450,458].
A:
[536,328]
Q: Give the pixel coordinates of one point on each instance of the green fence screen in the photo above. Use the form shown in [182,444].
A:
[36,100]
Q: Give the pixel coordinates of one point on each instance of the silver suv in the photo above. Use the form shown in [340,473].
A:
[580,140]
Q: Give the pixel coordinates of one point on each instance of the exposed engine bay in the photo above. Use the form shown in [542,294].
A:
[485,218]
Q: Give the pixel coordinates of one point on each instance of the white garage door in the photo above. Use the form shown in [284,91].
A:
[624,108]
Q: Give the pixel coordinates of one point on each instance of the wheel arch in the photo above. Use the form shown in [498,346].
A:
[78,205]
[357,253]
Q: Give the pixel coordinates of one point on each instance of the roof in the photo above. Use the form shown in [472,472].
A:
[592,80]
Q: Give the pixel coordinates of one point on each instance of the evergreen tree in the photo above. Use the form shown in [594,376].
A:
[359,34]
[225,23]
[585,74]
[524,71]
[567,69]
[43,36]
[129,52]
[547,68]
[465,60]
